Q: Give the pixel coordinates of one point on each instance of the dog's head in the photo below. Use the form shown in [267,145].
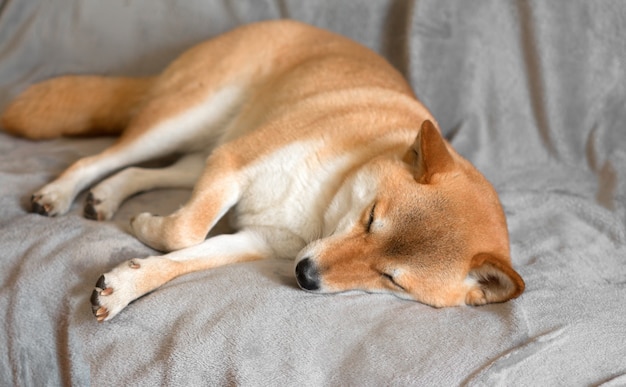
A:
[428,227]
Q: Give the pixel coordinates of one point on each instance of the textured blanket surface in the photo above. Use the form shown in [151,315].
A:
[532,92]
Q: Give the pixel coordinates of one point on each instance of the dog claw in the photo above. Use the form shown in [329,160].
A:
[99,311]
[89,210]
[101,314]
[92,199]
[133,265]
[106,292]
[36,207]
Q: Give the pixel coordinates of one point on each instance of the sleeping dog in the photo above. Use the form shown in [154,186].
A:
[316,145]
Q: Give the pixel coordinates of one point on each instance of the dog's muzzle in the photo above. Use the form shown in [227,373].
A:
[307,275]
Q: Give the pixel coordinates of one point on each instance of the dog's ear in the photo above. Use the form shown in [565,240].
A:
[429,154]
[495,280]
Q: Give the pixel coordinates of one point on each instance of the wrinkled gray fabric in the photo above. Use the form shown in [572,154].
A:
[532,92]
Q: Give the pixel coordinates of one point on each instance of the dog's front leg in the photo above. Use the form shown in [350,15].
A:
[218,189]
[136,277]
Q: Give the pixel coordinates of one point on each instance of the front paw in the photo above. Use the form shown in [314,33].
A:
[115,290]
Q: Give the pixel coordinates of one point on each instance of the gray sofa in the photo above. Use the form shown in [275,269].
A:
[532,92]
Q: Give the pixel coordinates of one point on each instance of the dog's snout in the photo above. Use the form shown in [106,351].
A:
[307,275]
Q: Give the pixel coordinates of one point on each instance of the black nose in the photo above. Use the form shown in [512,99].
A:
[307,275]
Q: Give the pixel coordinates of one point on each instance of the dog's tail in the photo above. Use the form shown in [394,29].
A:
[75,106]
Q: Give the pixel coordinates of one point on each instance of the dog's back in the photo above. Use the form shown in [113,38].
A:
[273,64]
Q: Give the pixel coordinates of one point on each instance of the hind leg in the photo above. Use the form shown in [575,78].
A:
[162,127]
[105,198]
[56,197]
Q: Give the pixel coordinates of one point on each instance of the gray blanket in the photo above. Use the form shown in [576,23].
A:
[532,92]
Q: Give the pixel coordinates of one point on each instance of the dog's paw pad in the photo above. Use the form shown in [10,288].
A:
[40,206]
[96,209]
[90,212]
[100,311]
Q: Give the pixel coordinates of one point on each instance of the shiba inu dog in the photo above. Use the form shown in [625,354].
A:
[315,144]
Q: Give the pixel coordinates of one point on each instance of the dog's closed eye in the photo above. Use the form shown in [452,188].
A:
[391,279]
[370,220]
